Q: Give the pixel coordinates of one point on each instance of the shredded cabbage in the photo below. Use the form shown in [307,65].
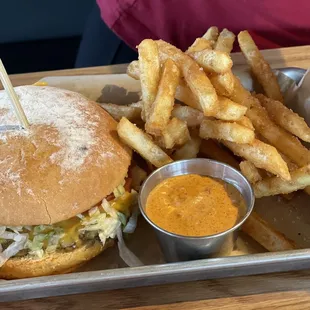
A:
[18,243]
[103,221]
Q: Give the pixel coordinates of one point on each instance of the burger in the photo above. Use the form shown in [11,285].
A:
[64,185]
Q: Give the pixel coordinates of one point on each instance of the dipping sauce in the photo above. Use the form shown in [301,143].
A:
[194,205]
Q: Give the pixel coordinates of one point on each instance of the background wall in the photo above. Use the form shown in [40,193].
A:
[37,35]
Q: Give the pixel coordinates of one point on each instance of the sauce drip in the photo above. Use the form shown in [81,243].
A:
[194,205]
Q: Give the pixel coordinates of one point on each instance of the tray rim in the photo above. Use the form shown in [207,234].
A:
[82,282]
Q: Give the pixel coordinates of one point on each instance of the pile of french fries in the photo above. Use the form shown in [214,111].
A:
[193,105]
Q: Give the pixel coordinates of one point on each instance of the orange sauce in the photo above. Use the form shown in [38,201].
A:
[194,205]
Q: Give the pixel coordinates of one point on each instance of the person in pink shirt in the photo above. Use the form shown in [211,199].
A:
[272,23]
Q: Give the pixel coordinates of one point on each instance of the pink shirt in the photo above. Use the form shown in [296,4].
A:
[272,23]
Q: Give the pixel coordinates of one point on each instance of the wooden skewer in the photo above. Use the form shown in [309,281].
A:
[14,99]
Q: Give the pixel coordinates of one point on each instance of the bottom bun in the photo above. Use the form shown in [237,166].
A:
[50,264]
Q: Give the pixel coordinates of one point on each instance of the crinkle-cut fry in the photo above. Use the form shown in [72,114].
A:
[285,142]
[249,170]
[225,41]
[300,179]
[149,66]
[133,70]
[262,155]
[196,79]
[213,61]
[200,44]
[161,109]
[223,83]
[285,117]
[266,235]
[246,122]
[219,130]
[189,150]
[229,110]
[117,111]
[211,35]
[175,133]
[191,116]
[211,149]
[259,66]
[141,143]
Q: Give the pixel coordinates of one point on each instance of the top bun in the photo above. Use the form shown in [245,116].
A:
[68,161]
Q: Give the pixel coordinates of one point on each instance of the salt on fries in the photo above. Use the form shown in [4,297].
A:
[149,67]
[259,66]
[300,179]
[219,130]
[217,118]
[212,35]
[262,155]
[225,41]
[285,117]
[160,110]
[142,143]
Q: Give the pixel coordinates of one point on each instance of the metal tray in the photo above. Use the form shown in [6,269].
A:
[108,271]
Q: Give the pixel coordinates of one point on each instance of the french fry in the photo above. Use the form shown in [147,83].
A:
[133,70]
[229,110]
[266,235]
[189,150]
[219,130]
[285,117]
[259,66]
[202,88]
[191,116]
[211,149]
[212,35]
[250,171]
[291,166]
[176,133]
[225,41]
[196,79]
[185,95]
[225,109]
[213,61]
[246,122]
[300,179]
[161,109]
[142,143]
[262,155]
[223,83]
[131,112]
[200,44]
[149,66]
[240,94]
[138,176]
[276,136]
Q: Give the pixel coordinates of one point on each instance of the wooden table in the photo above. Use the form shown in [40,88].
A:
[273,291]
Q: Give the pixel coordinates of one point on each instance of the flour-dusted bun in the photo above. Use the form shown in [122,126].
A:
[67,162]
[55,263]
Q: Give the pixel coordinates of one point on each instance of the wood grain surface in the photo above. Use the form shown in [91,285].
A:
[273,291]
[289,290]
[278,58]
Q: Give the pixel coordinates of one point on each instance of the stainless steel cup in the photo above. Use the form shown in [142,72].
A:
[181,248]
